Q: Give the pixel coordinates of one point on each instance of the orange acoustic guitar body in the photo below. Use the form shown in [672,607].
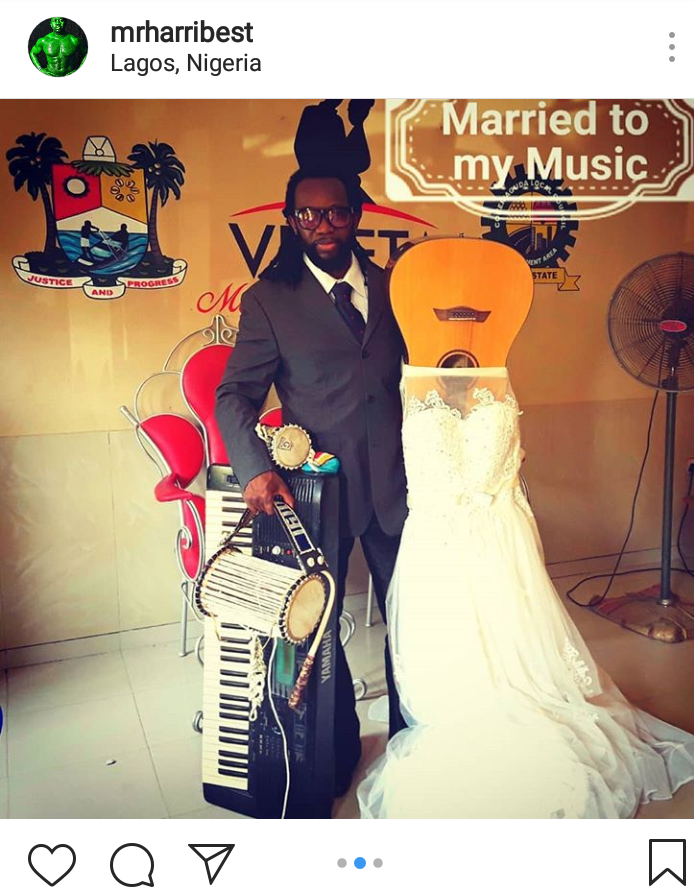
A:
[459,302]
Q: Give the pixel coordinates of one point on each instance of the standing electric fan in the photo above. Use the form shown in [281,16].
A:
[650,323]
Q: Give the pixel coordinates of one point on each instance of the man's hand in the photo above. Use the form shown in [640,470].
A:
[261,491]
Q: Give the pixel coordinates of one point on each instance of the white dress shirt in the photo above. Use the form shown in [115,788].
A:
[355,279]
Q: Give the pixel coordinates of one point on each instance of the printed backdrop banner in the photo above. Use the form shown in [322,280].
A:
[129,224]
[610,154]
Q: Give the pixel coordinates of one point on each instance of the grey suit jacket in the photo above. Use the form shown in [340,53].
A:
[345,394]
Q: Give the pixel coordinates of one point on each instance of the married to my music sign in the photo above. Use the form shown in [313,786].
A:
[611,154]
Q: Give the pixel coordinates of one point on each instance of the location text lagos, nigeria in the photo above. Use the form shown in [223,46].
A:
[199,32]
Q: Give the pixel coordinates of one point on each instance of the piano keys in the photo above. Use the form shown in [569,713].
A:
[223,509]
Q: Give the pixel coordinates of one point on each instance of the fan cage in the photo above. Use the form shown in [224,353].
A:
[659,290]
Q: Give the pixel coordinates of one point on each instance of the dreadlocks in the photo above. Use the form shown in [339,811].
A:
[287,266]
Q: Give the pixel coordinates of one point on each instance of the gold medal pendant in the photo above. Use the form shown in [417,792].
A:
[290,447]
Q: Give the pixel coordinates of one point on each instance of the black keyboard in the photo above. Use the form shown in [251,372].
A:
[243,761]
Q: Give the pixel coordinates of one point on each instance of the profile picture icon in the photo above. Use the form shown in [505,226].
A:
[57,47]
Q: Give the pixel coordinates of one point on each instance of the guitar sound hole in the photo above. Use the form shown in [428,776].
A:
[458,358]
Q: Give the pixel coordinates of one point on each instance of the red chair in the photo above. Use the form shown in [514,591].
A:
[177,448]
[273,417]
[182,447]
[200,376]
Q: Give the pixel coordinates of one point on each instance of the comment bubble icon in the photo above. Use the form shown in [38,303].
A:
[132,865]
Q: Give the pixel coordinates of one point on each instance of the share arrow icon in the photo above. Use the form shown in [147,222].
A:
[214,857]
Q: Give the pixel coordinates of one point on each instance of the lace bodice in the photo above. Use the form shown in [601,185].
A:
[465,455]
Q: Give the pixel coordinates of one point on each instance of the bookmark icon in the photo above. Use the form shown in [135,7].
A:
[667,857]
[214,856]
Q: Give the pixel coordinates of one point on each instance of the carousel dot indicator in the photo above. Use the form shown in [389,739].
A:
[360,863]
[378,862]
[342,862]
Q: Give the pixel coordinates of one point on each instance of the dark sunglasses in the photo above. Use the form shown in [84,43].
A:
[309,218]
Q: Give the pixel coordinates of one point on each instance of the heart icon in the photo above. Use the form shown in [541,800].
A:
[52,865]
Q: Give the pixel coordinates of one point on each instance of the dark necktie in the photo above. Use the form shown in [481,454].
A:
[353,318]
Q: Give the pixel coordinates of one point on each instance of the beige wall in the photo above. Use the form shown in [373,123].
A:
[85,550]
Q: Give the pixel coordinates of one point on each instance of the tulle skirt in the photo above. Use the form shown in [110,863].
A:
[508,715]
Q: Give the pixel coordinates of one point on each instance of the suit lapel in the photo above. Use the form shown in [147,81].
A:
[377,300]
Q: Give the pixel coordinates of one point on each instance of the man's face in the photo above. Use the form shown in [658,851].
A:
[328,246]
[57,24]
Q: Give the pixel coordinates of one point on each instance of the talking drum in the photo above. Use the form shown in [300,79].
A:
[268,598]
[274,600]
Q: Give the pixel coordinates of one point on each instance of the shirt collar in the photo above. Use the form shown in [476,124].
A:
[354,277]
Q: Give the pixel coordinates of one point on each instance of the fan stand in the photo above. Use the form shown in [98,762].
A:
[656,612]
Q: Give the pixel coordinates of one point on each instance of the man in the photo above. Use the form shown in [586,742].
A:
[122,239]
[86,241]
[318,325]
[59,48]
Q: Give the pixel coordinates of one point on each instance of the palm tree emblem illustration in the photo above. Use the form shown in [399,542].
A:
[31,165]
[163,176]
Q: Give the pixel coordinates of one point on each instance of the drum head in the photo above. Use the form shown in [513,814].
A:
[304,609]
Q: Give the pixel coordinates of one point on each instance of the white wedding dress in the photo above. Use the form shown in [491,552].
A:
[508,715]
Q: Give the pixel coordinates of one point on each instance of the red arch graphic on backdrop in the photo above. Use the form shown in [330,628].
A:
[369,208]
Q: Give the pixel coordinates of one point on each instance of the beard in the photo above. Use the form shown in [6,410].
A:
[336,263]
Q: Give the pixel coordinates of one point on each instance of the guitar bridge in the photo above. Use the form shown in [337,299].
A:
[462,313]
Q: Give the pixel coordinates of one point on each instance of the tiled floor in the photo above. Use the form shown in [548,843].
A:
[110,735]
